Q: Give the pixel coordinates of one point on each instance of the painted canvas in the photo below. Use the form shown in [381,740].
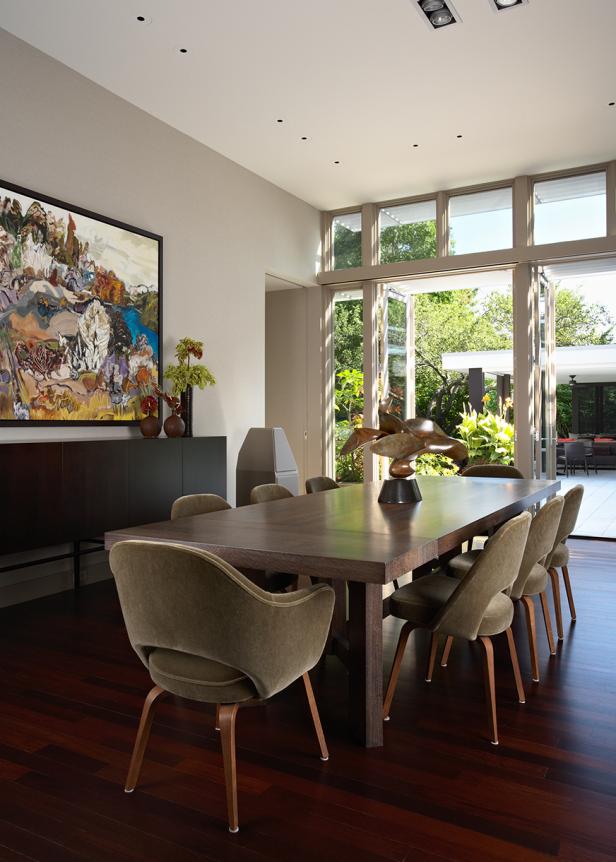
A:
[79,313]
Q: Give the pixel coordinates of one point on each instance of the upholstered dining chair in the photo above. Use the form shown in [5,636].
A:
[206,633]
[532,579]
[474,608]
[320,483]
[268,493]
[275,581]
[197,504]
[492,471]
[559,558]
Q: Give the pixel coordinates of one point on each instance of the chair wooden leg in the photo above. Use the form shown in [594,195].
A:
[405,631]
[226,715]
[567,581]
[316,720]
[557,609]
[531,626]
[547,621]
[434,640]
[446,651]
[143,735]
[217,723]
[488,677]
[516,666]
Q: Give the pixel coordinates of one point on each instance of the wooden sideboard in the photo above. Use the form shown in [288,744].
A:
[58,492]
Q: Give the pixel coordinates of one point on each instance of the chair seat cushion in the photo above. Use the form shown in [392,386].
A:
[560,556]
[198,678]
[498,616]
[460,565]
[536,582]
[420,601]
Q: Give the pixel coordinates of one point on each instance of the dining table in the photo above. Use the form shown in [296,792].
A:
[346,536]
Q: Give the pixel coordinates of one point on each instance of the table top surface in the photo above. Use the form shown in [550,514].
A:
[346,532]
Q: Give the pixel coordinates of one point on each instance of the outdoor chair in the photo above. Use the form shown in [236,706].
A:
[577,454]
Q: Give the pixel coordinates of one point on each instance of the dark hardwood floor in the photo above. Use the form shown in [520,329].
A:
[70,699]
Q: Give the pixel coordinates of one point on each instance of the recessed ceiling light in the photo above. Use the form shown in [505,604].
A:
[415,145]
[280,121]
[336,163]
[183,50]
[499,5]
[611,104]
[304,137]
[458,136]
[437,13]
[143,19]
[441,18]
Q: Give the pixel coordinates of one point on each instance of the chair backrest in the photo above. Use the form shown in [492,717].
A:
[577,449]
[188,600]
[571,509]
[267,493]
[492,471]
[540,542]
[494,571]
[197,504]
[320,483]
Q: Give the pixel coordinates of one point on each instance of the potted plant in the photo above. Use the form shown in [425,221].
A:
[174,424]
[184,376]
[149,425]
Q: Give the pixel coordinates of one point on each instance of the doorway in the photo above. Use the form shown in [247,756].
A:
[447,354]
[576,379]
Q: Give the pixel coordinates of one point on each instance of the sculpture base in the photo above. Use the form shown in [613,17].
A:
[400,491]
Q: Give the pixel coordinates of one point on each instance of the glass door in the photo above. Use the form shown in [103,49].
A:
[544,376]
[397,352]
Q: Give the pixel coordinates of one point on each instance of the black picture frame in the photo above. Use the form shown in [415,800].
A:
[79,210]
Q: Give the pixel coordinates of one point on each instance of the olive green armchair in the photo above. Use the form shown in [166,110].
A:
[492,471]
[205,632]
[320,483]
[197,504]
[269,493]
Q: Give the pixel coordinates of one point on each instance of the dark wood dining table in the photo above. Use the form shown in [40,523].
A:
[347,535]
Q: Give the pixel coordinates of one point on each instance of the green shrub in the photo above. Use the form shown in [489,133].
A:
[432,464]
[488,436]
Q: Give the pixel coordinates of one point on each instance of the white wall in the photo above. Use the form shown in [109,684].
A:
[223,226]
[293,371]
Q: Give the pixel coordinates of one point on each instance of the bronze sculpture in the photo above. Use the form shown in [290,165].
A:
[403,441]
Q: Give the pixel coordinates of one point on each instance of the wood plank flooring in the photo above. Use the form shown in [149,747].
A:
[72,690]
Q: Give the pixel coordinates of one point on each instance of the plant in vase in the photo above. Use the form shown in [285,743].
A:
[174,424]
[149,425]
[184,376]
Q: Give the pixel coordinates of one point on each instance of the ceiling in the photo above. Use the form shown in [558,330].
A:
[527,88]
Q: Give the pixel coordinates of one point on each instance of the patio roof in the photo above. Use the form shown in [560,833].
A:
[592,364]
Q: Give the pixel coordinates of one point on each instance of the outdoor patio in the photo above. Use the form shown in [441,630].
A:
[598,513]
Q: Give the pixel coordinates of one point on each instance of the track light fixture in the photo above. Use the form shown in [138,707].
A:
[437,13]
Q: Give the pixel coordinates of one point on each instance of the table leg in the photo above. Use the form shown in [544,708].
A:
[366,662]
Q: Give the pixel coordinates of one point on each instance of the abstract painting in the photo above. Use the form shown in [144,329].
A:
[79,313]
